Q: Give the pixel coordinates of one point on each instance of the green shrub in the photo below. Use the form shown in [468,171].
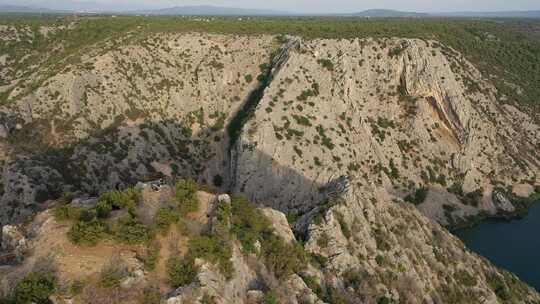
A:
[323,240]
[151,295]
[418,197]
[327,64]
[87,232]
[103,209]
[344,226]
[353,278]
[65,213]
[472,198]
[248,78]
[380,260]
[186,196]
[128,198]
[33,288]
[213,250]
[131,230]
[317,260]
[270,298]
[499,286]
[282,258]
[150,255]
[384,300]
[248,223]
[181,271]
[465,279]
[164,218]
[112,275]
[396,51]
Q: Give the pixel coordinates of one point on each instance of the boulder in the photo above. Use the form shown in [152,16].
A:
[502,203]
[280,224]
[14,241]
[84,202]
[224,199]
[255,296]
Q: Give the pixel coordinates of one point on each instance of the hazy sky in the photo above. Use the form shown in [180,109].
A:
[320,6]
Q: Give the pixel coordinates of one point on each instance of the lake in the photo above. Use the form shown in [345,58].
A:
[513,245]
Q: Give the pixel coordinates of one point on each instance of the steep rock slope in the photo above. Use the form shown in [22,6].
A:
[400,114]
[153,106]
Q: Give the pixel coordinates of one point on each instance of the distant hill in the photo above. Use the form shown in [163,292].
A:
[387,13]
[25,9]
[501,14]
[208,10]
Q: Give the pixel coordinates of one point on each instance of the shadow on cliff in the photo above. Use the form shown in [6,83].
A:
[120,156]
[123,154]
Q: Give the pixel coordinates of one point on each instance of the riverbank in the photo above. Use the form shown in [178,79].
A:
[509,244]
[522,207]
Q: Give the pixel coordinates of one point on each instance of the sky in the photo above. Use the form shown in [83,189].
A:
[304,6]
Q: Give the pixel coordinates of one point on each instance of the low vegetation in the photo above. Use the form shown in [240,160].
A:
[181,271]
[251,227]
[33,288]
[418,196]
[186,196]
[92,224]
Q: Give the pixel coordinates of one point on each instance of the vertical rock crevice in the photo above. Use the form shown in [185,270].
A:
[245,113]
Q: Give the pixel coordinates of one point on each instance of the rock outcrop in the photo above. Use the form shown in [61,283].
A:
[363,249]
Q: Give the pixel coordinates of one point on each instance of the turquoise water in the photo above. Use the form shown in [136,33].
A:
[513,245]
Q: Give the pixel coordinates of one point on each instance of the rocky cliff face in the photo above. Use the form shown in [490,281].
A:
[160,105]
[395,114]
[342,135]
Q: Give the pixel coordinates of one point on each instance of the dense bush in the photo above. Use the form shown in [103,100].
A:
[33,288]
[418,197]
[90,227]
[465,279]
[281,258]
[66,212]
[250,225]
[87,232]
[217,180]
[327,64]
[130,230]
[214,250]
[270,298]
[181,271]
[186,196]
[164,218]
[128,198]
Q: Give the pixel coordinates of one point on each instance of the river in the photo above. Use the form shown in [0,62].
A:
[512,245]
